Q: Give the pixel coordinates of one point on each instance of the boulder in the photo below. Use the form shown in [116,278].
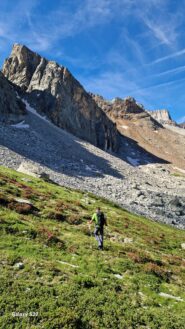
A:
[31,169]
[183,245]
[19,265]
[20,200]
[128,240]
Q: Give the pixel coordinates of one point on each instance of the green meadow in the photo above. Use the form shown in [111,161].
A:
[52,276]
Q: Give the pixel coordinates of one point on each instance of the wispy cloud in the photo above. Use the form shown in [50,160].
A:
[13,20]
[159,85]
[42,31]
[164,35]
[142,34]
[171,71]
[162,24]
[170,56]
[63,23]
[110,85]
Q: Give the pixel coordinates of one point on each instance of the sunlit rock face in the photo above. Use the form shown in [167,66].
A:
[162,116]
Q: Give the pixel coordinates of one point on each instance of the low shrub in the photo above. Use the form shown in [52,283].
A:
[3,200]
[159,271]
[56,215]
[22,208]
[74,219]
[50,239]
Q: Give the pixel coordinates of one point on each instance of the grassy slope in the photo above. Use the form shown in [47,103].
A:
[90,295]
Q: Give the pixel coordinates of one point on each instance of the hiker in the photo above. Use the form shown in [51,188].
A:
[100,220]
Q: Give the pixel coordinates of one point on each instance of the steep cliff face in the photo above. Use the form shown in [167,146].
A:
[162,116]
[53,91]
[12,109]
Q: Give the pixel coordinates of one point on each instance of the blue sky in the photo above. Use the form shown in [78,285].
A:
[113,47]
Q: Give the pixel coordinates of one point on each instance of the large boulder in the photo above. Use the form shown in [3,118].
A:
[32,169]
[52,90]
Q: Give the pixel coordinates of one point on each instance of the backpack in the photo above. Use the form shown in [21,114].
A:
[101,219]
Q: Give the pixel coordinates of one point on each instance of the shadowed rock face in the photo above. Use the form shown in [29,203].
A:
[12,109]
[53,91]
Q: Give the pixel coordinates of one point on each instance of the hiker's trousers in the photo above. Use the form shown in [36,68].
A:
[98,233]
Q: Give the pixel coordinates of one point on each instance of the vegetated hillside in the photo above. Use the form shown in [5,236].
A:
[53,275]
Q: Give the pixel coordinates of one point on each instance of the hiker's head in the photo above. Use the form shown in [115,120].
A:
[98,209]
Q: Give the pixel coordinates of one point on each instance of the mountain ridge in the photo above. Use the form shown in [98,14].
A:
[126,108]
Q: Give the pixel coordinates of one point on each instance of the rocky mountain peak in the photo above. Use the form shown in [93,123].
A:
[20,66]
[162,116]
[131,106]
[120,107]
[53,91]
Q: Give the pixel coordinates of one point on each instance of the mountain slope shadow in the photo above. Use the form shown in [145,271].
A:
[40,99]
[134,154]
[50,146]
